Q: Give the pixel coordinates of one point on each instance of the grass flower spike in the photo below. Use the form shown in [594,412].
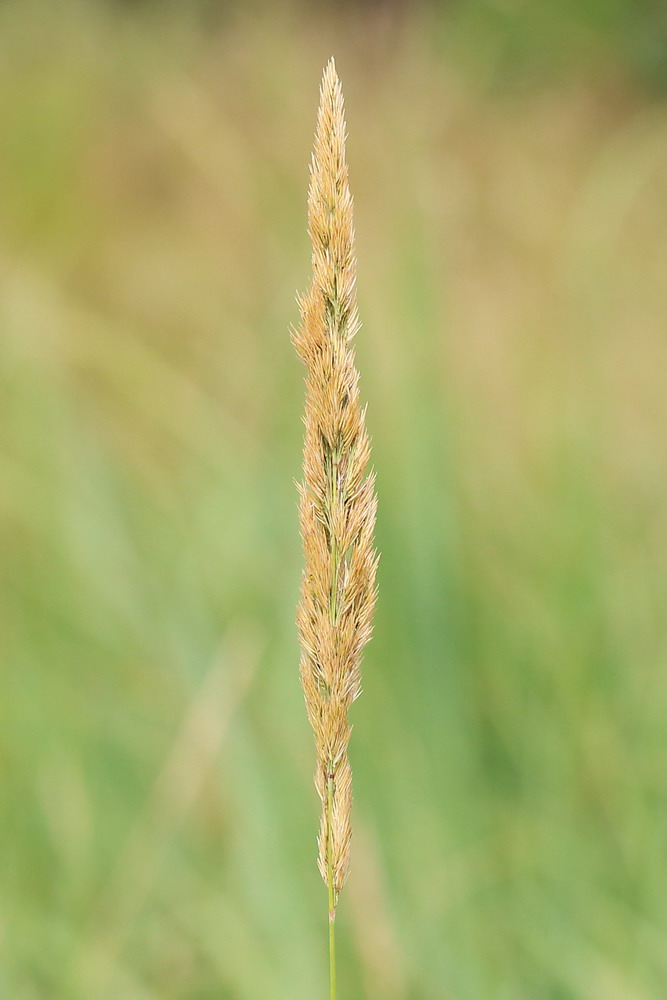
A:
[337,496]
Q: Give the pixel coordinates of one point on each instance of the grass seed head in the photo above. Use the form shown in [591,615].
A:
[337,497]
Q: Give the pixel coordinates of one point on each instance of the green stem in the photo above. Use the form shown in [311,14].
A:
[332,891]
[332,477]
[333,611]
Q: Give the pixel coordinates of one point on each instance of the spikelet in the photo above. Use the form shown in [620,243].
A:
[337,496]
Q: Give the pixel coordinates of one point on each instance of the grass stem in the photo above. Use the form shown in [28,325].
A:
[332,891]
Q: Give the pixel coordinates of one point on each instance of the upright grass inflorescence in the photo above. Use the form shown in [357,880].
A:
[337,496]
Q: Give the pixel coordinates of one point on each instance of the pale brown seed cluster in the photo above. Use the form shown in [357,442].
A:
[337,497]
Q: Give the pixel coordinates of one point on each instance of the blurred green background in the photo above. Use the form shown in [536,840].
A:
[508,161]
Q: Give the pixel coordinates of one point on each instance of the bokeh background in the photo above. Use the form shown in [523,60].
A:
[509,164]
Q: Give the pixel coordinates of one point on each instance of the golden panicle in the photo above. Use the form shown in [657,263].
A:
[337,496]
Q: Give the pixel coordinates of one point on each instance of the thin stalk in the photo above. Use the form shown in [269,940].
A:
[332,892]
[333,611]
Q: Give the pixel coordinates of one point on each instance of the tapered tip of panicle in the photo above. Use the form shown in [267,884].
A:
[330,71]
[329,150]
[331,90]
